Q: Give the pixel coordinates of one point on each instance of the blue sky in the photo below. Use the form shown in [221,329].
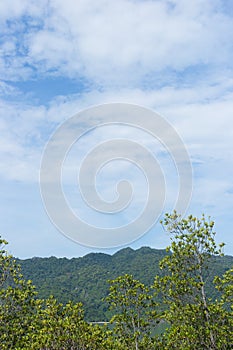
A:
[58,57]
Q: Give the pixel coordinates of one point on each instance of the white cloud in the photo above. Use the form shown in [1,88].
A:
[203,125]
[207,136]
[172,56]
[126,40]
[120,42]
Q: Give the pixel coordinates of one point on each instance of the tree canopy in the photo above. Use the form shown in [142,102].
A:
[177,299]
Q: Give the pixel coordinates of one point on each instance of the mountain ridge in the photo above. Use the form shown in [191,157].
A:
[85,278]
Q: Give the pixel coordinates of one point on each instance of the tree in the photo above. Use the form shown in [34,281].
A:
[7,264]
[196,321]
[30,323]
[133,308]
[57,327]
[17,303]
[225,307]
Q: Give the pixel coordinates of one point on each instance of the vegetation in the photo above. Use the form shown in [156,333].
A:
[193,303]
[197,322]
[85,279]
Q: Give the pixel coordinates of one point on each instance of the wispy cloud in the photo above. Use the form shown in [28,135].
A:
[58,57]
[115,43]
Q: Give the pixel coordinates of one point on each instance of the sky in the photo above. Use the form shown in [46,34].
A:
[58,58]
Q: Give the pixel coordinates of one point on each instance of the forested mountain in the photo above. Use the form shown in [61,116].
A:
[85,279]
[187,290]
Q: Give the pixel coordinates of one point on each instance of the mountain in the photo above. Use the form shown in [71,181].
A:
[85,279]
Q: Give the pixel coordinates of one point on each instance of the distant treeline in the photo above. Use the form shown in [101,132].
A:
[85,279]
[178,298]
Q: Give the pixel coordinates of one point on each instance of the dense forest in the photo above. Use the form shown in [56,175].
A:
[86,279]
[187,289]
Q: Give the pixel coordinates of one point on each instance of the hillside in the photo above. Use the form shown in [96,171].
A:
[85,279]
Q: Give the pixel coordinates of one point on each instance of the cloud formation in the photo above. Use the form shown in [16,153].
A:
[114,43]
[174,57]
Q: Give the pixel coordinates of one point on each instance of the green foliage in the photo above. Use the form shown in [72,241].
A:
[7,264]
[133,310]
[85,279]
[35,324]
[58,326]
[17,303]
[225,285]
[197,322]
[191,297]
